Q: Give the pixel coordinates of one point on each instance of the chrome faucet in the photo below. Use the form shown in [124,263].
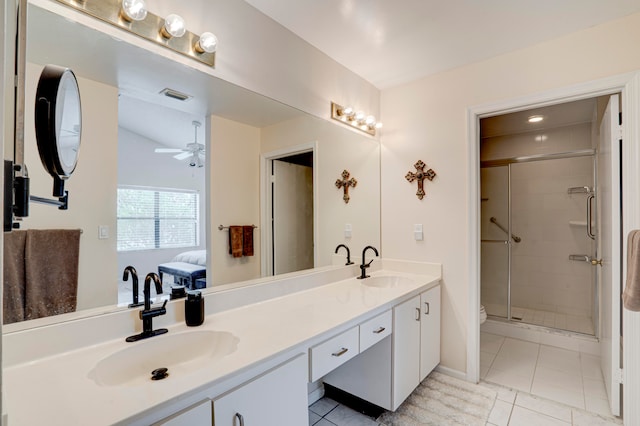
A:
[134,278]
[349,262]
[147,314]
[365,265]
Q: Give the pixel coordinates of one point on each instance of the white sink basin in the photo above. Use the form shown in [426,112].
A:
[179,353]
[387,281]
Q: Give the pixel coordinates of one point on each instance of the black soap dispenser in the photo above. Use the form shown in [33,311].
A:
[194,309]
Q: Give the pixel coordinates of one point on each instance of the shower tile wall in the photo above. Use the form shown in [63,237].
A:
[547,219]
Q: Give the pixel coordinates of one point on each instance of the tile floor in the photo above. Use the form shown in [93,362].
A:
[569,377]
[511,408]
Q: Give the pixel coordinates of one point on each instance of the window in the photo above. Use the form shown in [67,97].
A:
[155,218]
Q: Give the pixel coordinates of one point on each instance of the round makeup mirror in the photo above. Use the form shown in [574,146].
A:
[58,121]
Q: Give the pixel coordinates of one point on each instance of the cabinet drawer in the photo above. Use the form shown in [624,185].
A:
[334,352]
[374,330]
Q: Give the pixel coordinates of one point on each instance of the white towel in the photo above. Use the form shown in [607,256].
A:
[631,293]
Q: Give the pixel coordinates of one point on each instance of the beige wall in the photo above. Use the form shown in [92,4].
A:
[92,202]
[235,196]
[337,149]
[427,119]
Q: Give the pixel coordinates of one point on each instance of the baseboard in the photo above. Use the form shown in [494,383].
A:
[316,394]
[451,372]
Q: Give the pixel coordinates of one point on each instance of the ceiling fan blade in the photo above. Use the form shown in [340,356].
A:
[168,150]
[182,156]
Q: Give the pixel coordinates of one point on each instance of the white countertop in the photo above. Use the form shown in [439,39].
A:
[57,390]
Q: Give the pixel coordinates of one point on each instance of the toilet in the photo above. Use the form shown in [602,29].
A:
[483,315]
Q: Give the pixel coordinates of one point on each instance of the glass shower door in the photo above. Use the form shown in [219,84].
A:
[494,244]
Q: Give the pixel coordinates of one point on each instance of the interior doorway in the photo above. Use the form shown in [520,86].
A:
[288,211]
[550,226]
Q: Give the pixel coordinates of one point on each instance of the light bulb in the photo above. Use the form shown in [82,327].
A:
[208,43]
[133,10]
[370,120]
[174,26]
[378,125]
[359,116]
[535,119]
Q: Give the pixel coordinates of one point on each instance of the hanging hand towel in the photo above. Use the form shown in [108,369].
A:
[51,259]
[235,241]
[14,277]
[247,240]
[631,294]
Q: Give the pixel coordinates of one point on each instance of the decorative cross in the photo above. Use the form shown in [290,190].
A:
[419,176]
[346,183]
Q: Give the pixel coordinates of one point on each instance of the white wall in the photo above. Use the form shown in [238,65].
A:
[139,165]
[92,202]
[235,196]
[427,119]
[338,149]
[257,53]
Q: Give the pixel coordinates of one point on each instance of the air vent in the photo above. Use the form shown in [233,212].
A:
[174,94]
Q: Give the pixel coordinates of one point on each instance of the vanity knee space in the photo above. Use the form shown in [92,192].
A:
[390,367]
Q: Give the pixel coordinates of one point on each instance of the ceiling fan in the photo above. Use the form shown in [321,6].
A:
[194,150]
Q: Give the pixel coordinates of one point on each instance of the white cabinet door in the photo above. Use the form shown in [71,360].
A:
[429,331]
[277,398]
[198,415]
[406,349]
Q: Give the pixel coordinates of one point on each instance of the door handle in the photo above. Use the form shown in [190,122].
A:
[417,314]
[240,419]
[590,233]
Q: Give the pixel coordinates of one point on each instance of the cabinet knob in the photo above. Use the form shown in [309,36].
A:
[240,419]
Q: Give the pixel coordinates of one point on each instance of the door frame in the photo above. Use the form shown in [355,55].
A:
[629,87]
[266,236]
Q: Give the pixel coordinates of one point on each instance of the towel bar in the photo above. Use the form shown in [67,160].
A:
[220,227]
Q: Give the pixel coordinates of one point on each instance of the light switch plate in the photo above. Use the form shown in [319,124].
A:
[347,230]
[103,232]
[417,232]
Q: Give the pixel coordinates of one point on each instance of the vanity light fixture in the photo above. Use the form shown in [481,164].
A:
[132,16]
[535,119]
[174,26]
[133,10]
[359,120]
[208,42]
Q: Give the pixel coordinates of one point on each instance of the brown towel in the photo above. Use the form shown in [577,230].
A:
[631,293]
[51,258]
[14,277]
[247,240]
[235,241]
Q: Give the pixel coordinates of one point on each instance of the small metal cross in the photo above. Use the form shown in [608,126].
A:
[419,176]
[346,183]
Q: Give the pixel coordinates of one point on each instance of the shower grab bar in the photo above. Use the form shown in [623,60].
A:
[513,236]
[590,233]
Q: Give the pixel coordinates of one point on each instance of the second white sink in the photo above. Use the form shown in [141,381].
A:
[179,353]
[386,281]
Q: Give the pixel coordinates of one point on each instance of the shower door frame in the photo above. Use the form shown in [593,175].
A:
[508,162]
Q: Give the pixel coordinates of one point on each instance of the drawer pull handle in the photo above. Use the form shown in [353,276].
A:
[340,352]
[240,419]
[380,330]
[426,308]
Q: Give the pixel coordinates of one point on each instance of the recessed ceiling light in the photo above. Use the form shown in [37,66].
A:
[535,119]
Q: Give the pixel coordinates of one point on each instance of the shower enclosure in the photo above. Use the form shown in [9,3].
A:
[538,240]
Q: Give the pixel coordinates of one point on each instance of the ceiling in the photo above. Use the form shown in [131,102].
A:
[392,42]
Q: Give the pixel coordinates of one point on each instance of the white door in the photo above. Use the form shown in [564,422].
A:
[292,217]
[608,231]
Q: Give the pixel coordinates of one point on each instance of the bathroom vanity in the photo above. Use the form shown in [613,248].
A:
[247,364]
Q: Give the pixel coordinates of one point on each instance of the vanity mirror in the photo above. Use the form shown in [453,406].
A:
[127,114]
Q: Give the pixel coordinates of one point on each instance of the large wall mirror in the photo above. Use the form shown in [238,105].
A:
[218,173]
